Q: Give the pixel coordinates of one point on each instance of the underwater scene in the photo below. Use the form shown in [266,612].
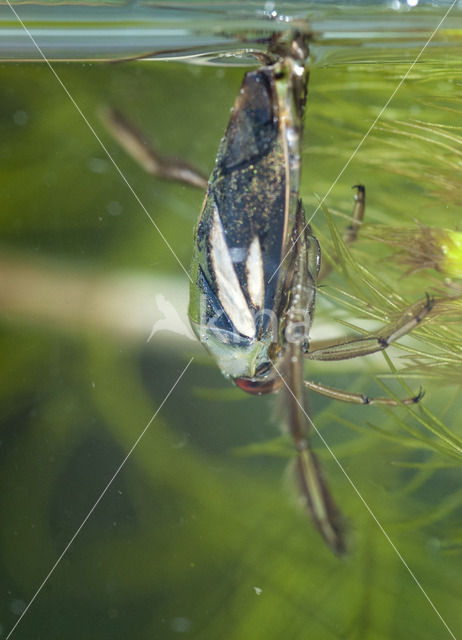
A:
[143,494]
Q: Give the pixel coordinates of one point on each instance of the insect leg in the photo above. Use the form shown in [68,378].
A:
[134,143]
[351,232]
[356,347]
[359,398]
[312,487]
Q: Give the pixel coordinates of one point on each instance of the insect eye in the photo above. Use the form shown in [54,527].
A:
[258,387]
[263,369]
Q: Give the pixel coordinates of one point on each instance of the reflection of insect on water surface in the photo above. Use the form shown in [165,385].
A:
[256,262]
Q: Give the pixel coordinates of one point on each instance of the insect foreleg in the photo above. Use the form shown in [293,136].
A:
[351,232]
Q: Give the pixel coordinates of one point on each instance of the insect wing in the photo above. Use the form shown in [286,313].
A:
[247,219]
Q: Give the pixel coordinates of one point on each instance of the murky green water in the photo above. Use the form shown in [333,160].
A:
[199,535]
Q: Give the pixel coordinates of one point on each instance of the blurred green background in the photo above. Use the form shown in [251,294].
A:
[199,535]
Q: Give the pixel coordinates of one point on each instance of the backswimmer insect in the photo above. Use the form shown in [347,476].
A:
[256,261]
